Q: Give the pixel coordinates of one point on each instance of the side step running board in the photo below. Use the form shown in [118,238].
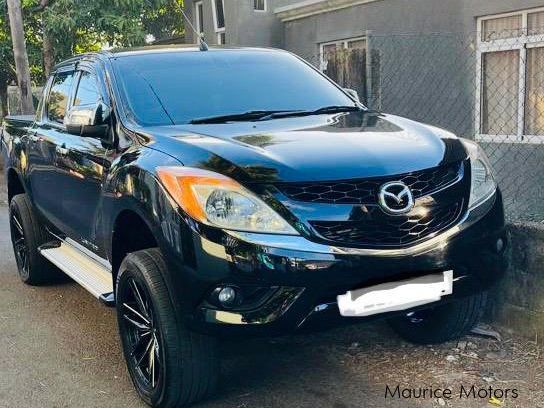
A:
[90,274]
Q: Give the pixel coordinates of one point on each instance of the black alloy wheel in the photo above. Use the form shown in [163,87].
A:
[170,366]
[142,335]
[27,234]
[20,247]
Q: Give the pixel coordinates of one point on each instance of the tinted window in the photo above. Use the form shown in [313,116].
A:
[178,87]
[87,90]
[58,96]
[219,14]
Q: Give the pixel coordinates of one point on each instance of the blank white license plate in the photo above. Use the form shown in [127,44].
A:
[400,295]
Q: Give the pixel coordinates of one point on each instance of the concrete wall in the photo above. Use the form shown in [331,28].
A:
[518,302]
[244,26]
[209,31]
[394,16]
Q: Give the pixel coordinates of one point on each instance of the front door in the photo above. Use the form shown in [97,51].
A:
[82,161]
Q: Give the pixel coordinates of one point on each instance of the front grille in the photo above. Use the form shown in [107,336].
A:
[365,191]
[379,229]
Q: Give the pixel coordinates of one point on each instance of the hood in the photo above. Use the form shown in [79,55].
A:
[324,147]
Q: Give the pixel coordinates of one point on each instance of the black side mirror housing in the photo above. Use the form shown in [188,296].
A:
[88,120]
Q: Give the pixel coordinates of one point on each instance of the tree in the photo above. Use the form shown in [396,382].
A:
[7,68]
[20,56]
[76,26]
[57,29]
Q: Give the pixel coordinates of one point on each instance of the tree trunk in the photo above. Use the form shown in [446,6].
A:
[20,55]
[48,53]
[3,99]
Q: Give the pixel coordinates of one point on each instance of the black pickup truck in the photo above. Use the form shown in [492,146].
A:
[239,191]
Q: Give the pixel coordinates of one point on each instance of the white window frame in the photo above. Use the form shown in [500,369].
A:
[265,2]
[218,30]
[198,23]
[521,43]
[342,43]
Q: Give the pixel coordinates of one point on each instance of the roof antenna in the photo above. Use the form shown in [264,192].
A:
[203,46]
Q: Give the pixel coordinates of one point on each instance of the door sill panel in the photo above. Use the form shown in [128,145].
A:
[92,275]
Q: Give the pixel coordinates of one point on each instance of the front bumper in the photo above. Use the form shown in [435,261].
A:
[304,278]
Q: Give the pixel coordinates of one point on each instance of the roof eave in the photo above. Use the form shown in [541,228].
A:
[307,8]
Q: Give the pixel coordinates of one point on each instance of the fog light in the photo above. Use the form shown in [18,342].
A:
[499,246]
[226,296]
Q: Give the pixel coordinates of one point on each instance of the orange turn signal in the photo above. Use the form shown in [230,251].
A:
[179,182]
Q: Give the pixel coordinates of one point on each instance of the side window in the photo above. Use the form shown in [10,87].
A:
[58,96]
[87,91]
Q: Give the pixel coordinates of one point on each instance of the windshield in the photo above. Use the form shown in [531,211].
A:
[180,87]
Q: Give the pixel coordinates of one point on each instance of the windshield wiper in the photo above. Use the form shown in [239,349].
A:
[239,117]
[320,111]
[257,115]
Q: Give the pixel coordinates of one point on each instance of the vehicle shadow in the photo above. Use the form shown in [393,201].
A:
[308,369]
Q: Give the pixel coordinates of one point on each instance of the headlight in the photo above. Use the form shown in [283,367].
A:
[482,182]
[217,200]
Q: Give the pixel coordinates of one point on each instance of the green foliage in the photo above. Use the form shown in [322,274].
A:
[85,25]
[78,26]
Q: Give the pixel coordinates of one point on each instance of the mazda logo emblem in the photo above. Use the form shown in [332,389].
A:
[396,198]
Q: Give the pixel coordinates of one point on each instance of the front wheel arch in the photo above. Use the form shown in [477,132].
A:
[15,184]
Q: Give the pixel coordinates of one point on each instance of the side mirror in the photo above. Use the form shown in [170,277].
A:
[353,93]
[88,120]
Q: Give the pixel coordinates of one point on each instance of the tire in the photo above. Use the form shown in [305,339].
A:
[177,367]
[441,323]
[27,234]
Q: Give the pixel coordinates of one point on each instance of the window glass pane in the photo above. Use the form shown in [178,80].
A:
[221,38]
[535,23]
[58,97]
[534,94]
[500,92]
[502,27]
[345,63]
[329,50]
[191,85]
[259,5]
[87,92]
[329,59]
[219,14]
[199,18]
[357,44]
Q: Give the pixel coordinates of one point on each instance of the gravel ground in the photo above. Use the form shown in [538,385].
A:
[61,350]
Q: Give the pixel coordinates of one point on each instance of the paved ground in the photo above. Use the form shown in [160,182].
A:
[60,349]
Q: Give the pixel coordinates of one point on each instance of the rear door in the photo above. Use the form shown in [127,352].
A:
[45,142]
[84,166]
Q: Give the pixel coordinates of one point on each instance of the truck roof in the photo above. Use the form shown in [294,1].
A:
[151,49]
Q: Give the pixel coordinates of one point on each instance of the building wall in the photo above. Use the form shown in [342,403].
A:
[247,27]
[244,26]
[302,36]
[209,32]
